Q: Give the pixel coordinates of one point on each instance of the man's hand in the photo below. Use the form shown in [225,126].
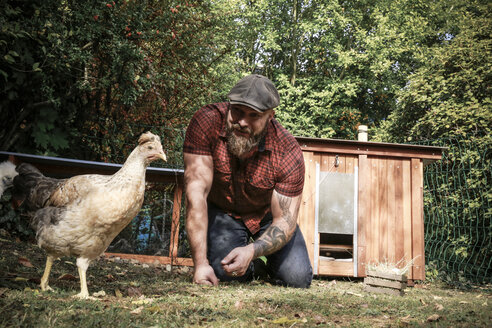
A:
[236,263]
[204,275]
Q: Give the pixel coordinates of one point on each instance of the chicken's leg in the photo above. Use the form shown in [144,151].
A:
[82,265]
[46,274]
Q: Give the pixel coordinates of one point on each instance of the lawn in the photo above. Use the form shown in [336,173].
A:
[136,295]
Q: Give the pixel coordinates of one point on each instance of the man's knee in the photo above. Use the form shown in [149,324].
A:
[299,277]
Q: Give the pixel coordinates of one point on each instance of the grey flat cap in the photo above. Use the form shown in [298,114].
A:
[255,91]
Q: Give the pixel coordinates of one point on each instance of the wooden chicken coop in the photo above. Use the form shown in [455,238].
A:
[363,204]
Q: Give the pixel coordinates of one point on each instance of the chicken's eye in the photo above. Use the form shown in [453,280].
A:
[150,147]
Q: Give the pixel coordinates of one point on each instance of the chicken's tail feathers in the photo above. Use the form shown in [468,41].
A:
[7,175]
[28,178]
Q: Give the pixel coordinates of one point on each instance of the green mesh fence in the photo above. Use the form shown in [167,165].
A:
[457,213]
[150,231]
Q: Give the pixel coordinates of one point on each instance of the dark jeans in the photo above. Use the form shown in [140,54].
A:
[289,266]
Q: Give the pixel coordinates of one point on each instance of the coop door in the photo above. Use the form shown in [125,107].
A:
[336,203]
[336,212]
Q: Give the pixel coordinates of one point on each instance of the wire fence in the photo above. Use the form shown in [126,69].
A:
[150,232]
[457,212]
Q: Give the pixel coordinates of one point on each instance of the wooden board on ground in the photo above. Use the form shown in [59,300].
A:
[390,276]
[383,290]
[384,283]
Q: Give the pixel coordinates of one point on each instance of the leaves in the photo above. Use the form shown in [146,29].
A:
[25,262]
[433,318]
[68,277]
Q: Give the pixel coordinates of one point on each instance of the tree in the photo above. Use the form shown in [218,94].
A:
[447,102]
[71,69]
[449,95]
[337,64]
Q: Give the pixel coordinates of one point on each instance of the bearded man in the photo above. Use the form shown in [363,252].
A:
[244,175]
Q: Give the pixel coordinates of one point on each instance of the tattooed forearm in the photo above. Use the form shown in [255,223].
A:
[284,211]
[287,215]
[271,241]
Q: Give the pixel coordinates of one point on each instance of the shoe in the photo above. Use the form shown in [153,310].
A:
[260,270]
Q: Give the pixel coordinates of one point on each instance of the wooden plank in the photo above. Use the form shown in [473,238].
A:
[389,150]
[342,163]
[383,210]
[389,291]
[306,211]
[407,215]
[325,247]
[391,239]
[349,165]
[316,160]
[391,276]
[361,261]
[324,164]
[152,259]
[336,268]
[373,281]
[417,219]
[363,212]
[373,233]
[331,163]
[174,242]
[399,232]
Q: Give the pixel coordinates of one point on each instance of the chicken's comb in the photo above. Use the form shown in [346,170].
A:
[147,137]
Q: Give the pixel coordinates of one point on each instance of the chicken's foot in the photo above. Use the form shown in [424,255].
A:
[82,265]
[46,274]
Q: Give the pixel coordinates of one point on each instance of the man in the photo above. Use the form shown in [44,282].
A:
[244,175]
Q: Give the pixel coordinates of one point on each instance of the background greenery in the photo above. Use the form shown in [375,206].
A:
[83,79]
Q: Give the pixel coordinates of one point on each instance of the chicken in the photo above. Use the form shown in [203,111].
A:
[7,172]
[80,216]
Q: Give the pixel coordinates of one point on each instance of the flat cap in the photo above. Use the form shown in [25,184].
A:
[255,91]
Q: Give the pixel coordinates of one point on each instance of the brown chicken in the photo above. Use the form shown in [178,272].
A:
[80,216]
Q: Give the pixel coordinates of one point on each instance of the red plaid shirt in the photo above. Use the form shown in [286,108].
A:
[244,190]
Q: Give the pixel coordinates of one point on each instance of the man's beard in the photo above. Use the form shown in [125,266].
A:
[239,145]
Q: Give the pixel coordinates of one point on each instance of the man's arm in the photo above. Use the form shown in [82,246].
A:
[284,222]
[284,212]
[198,179]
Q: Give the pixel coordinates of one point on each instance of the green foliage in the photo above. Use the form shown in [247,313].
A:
[33,85]
[449,95]
[66,63]
[447,100]
[11,220]
[337,65]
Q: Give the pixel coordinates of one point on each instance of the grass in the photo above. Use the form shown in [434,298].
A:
[150,296]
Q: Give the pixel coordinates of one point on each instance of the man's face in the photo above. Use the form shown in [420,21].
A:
[245,128]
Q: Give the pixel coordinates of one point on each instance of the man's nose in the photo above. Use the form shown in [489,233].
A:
[242,122]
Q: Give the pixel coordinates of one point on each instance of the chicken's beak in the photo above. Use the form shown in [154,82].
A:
[162,156]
